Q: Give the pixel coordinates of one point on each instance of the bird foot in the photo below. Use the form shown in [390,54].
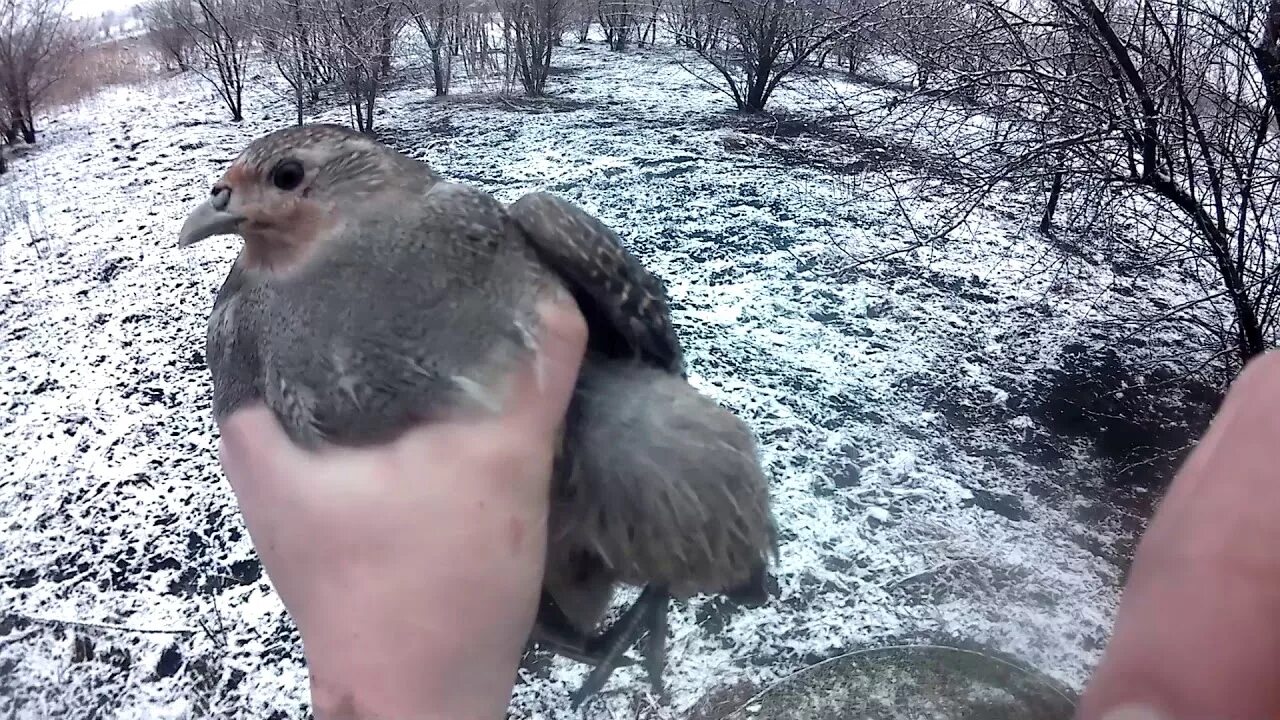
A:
[573,645]
[647,615]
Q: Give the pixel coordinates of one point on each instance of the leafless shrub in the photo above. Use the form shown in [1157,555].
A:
[581,14]
[697,24]
[480,56]
[359,35]
[531,29]
[37,44]
[219,32]
[22,210]
[289,33]
[617,20]
[438,23]
[862,37]
[754,44]
[938,36]
[645,15]
[1168,106]
[166,35]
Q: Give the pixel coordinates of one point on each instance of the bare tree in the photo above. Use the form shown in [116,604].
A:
[287,31]
[37,45]
[936,36]
[437,21]
[475,44]
[581,15]
[532,28]
[219,32]
[764,41]
[359,36]
[1167,106]
[855,45]
[646,21]
[166,34]
[617,20]
[697,24]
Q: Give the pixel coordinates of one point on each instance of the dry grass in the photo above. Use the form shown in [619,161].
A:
[114,62]
[127,61]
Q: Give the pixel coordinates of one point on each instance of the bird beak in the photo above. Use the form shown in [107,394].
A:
[211,217]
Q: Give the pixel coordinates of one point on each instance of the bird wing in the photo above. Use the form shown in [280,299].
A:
[625,305]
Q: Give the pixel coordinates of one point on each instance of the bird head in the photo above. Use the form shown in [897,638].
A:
[291,188]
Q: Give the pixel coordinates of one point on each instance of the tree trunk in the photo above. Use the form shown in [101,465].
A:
[437,73]
[1046,220]
[1252,342]
[386,41]
[757,92]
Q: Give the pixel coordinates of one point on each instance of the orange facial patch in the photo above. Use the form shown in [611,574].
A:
[279,234]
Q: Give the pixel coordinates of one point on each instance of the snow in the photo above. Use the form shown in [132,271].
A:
[920,487]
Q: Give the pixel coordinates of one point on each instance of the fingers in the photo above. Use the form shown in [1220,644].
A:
[542,390]
[252,443]
[255,449]
[1198,631]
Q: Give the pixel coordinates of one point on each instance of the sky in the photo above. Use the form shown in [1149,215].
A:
[92,8]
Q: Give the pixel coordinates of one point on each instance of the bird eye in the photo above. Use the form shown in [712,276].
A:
[287,175]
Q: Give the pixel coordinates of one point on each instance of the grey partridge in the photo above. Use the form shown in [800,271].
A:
[370,295]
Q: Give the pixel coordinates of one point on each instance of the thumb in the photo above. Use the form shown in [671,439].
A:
[542,389]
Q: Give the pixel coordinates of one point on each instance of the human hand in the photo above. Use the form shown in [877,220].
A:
[1198,632]
[412,570]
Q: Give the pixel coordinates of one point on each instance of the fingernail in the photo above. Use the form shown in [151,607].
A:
[1133,711]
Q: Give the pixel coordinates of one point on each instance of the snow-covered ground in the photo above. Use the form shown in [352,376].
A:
[930,474]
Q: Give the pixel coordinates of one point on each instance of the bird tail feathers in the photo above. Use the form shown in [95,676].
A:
[667,483]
